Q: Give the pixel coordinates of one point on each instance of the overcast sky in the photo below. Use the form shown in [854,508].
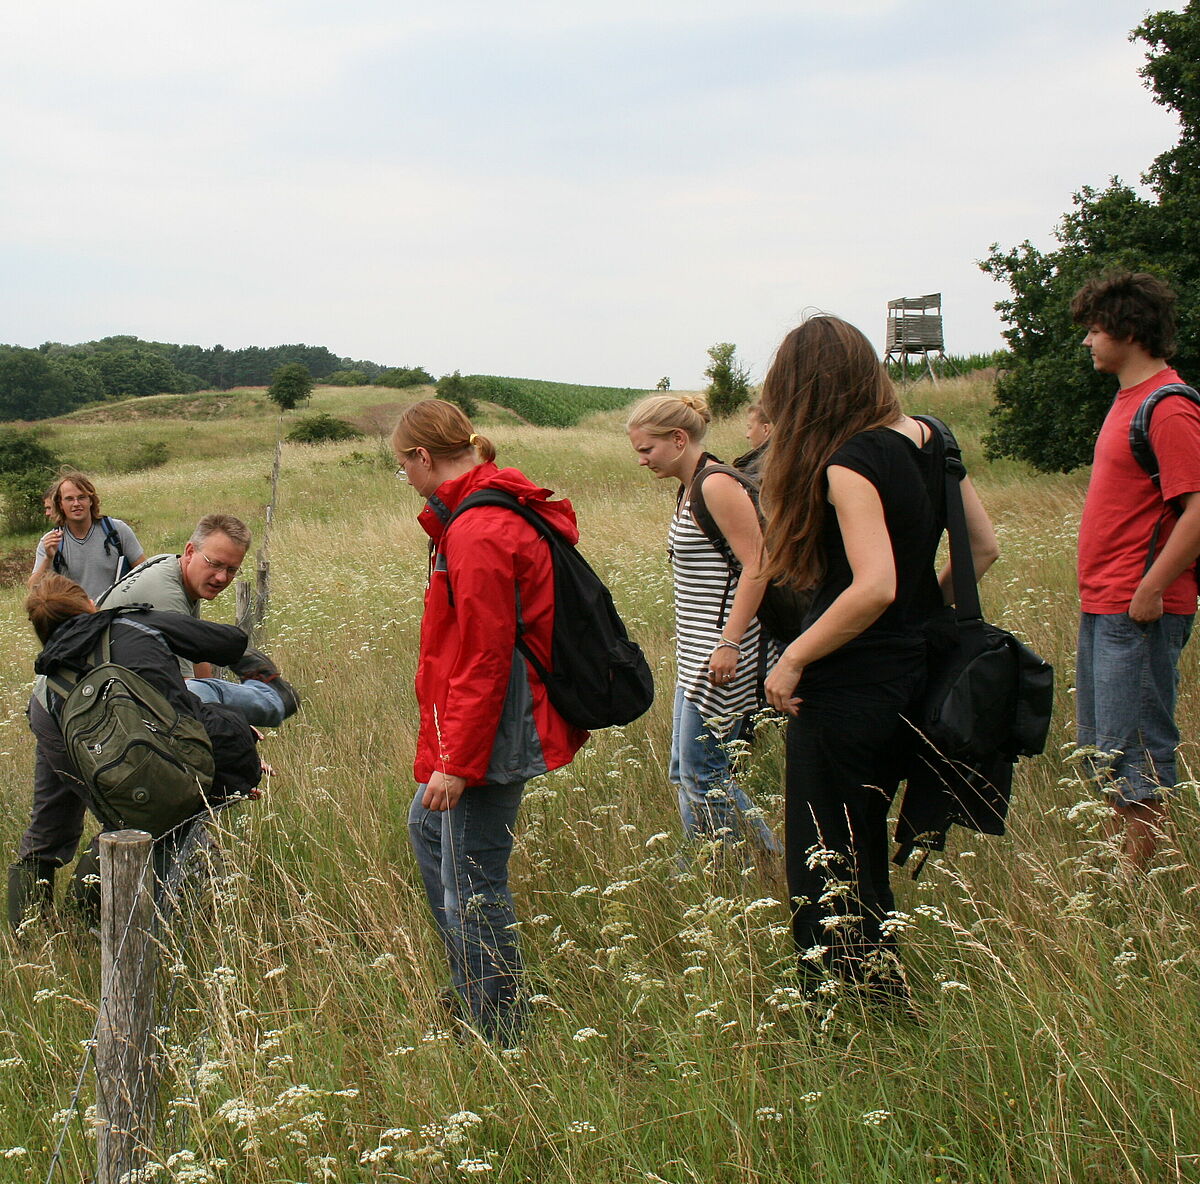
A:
[582,190]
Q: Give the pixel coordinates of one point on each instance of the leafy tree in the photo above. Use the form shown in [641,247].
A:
[291,384]
[664,384]
[1050,402]
[454,388]
[83,377]
[137,370]
[729,380]
[27,467]
[32,386]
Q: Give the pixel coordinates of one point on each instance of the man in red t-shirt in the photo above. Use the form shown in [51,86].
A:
[1137,588]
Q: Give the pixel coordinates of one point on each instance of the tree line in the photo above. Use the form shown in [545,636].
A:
[55,378]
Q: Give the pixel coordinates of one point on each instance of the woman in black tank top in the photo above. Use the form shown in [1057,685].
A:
[852,490]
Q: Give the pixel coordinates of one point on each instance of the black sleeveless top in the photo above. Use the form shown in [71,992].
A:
[910,481]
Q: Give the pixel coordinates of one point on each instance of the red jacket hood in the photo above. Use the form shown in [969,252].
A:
[451,494]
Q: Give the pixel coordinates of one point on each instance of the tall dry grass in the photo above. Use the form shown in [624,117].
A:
[1059,1009]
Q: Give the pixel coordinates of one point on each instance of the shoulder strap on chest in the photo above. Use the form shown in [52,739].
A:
[703,515]
[63,680]
[962,562]
[111,536]
[506,501]
[1139,425]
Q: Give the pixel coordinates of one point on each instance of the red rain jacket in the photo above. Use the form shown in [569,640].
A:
[484,712]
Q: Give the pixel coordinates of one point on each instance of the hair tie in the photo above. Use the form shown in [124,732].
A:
[473,440]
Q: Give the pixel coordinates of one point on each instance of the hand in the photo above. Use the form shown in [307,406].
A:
[781,686]
[51,541]
[443,791]
[722,665]
[1146,607]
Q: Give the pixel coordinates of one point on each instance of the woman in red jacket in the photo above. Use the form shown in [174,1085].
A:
[486,723]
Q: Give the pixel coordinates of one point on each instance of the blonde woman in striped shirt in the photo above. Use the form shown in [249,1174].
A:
[721,652]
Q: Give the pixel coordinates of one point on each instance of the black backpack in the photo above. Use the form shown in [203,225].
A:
[783,609]
[599,677]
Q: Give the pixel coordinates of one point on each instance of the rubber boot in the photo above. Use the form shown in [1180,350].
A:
[30,889]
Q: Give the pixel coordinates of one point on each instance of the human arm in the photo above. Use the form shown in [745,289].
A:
[737,520]
[985,550]
[1179,552]
[469,661]
[871,589]
[43,560]
[202,670]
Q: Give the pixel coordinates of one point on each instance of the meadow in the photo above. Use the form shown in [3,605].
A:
[1059,1010]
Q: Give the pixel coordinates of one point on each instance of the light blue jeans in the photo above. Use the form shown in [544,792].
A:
[710,800]
[258,701]
[463,858]
[1126,677]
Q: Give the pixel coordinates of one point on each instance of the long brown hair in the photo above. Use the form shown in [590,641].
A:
[825,385]
[441,429]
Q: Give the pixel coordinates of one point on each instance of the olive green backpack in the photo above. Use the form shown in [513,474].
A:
[146,765]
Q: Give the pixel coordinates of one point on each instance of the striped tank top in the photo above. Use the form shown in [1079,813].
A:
[704,590]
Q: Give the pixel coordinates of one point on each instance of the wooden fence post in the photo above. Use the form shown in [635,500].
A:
[253,602]
[128,973]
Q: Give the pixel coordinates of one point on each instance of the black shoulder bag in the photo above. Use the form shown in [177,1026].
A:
[988,701]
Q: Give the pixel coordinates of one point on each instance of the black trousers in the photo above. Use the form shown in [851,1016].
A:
[59,797]
[846,754]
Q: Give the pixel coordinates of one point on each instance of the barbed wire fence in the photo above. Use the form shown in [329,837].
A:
[149,917]
[149,891]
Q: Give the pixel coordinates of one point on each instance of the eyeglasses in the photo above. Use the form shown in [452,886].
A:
[231,569]
[402,471]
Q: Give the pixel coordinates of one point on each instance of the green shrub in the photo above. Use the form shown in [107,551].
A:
[454,388]
[402,376]
[380,458]
[27,466]
[348,378]
[322,428]
[149,454]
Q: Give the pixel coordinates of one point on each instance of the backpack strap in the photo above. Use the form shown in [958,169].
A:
[962,562]
[1143,451]
[1139,426]
[703,515]
[63,680]
[112,541]
[703,518]
[508,501]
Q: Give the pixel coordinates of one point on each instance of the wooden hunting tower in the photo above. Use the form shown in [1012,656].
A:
[914,326]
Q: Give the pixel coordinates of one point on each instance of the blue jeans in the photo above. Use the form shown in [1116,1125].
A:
[463,857]
[258,701]
[710,800]
[1126,679]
